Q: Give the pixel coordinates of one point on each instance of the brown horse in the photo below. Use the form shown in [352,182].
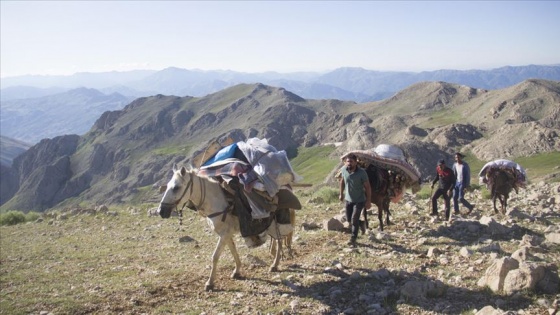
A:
[501,182]
[379,182]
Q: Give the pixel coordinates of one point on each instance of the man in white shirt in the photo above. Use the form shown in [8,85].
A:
[463,180]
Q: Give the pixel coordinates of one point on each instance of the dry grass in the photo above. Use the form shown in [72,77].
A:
[134,264]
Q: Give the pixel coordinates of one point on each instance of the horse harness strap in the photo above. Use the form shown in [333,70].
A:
[203,198]
[223,213]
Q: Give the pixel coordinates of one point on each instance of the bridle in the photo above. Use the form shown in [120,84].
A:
[191,186]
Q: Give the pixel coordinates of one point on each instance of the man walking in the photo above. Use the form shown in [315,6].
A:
[446,179]
[356,191]
[462,173]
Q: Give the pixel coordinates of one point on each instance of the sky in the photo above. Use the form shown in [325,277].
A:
[66,37]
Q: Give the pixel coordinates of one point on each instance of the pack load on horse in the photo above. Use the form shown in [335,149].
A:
[516,171]
[389,174]
[242,188]
[257,178]
[500,177]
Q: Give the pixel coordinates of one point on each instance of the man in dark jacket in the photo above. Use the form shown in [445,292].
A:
[462,173]
[446,179]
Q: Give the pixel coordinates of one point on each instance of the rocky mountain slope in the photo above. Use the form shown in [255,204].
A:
[129,150]
[10,148]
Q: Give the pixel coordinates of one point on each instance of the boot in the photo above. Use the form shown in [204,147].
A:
[363,227]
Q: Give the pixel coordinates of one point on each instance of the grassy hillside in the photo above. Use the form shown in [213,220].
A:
[541,165]
[314,163]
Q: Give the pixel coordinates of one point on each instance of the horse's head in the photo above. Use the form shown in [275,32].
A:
[176,191]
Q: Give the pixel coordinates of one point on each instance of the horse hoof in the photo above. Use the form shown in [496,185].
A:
[236,276]
[273,269]
[209,287]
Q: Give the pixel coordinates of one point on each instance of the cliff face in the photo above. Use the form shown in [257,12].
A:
[40,174]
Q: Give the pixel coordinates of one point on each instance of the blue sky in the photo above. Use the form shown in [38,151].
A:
[65,37]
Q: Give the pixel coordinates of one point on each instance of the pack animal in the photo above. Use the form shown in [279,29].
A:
[501,183]
[379,182]
[210,201]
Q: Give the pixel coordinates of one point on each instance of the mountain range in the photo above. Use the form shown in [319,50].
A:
[128,152]
[353,84]
[37,107]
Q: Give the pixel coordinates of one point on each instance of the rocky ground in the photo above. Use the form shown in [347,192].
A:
[123,261]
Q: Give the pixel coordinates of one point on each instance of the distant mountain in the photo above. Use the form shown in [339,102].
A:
[82,79]
[70,112]
[351,84]
[128,152]
[23,92]
[368,82]
[11,148]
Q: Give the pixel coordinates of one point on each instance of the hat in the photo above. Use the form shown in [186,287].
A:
[442,161]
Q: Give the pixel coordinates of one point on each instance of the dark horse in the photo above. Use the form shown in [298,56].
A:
[379,182]
[500,184]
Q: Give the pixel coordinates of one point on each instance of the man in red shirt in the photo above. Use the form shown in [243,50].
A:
[446,179]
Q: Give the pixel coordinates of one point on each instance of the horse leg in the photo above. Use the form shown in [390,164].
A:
[290,235]
[387,211]
[501,203]
[494,203]
[272,248]
[504,204]
[215,257]
[286,240]
[277,255]
[288,243]
[380,216]
[236,274]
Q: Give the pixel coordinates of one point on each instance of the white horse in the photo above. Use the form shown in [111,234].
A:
[210,201]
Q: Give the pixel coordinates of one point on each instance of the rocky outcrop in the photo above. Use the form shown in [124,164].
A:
[456,135]
[41,172]
[9,183]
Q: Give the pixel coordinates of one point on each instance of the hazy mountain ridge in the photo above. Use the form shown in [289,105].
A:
[10,148]
[25,92]
[355,84]
[70,112]
[129,150]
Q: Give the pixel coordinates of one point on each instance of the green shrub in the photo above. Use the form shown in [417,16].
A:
[32,216]
[12,218]
[16,217]
[424,193]
[327,194]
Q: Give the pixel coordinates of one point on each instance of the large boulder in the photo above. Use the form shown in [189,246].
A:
[495,275]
